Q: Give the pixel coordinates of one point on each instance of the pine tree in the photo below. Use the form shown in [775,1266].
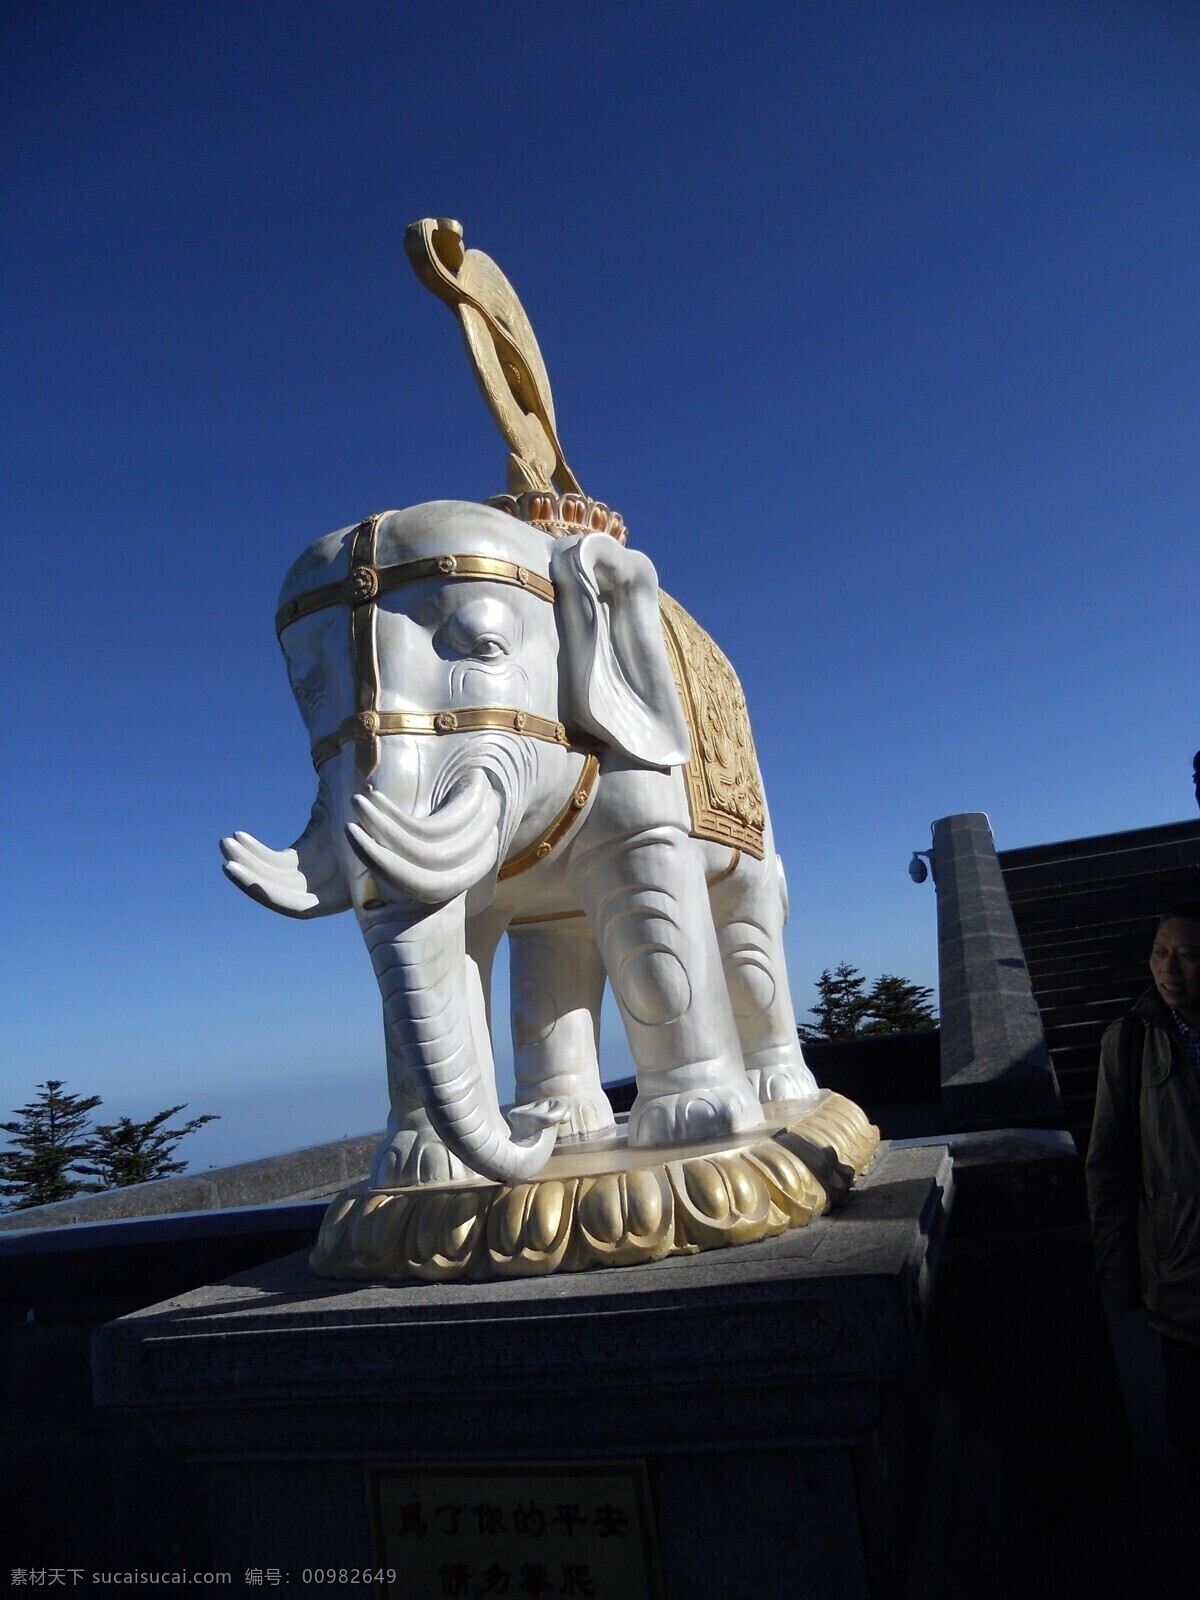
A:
[844,1011]
[49,1138]
[124,1152]
[54,1149]
[897,1006]
[842,1006]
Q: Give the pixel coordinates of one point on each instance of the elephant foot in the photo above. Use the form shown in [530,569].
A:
[579,1116]
[777,1075]
[587,1115]
[414,1156]
[694,1116]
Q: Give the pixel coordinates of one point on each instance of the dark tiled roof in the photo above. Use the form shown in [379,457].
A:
[1084,910]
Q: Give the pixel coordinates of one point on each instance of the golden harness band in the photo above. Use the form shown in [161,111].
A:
[369,725]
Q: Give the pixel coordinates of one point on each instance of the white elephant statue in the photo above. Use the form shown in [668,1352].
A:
[515,732]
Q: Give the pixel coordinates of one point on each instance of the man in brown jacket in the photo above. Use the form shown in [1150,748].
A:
[1143,1167]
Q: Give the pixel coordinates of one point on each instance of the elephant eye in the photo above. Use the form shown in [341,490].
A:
[489,648]
[305,690]
[475,637]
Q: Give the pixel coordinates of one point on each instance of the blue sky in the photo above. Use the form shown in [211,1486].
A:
[878,322]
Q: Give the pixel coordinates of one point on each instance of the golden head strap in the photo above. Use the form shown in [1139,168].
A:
[368,580]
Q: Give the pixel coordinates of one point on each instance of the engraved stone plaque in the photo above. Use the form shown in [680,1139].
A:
[531,1530]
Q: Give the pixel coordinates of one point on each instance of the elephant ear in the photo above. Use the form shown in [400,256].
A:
[615,671]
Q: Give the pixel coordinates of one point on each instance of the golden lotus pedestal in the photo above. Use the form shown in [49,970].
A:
[603,1204]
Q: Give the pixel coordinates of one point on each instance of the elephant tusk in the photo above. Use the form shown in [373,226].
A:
[430,864]
[430,885]
[447,821]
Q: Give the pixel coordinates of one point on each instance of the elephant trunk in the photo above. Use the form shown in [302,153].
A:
[420,961]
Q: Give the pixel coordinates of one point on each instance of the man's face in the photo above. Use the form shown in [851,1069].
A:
[1175,967]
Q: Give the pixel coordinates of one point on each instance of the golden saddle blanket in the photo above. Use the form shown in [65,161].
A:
[723,783]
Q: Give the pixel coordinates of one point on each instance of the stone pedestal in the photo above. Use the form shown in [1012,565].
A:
[769,1396]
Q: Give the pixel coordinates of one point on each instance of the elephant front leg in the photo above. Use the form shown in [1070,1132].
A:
[647,901]
[410,1151]
[557,987]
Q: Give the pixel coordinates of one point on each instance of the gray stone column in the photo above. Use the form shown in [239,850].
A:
[996,1069]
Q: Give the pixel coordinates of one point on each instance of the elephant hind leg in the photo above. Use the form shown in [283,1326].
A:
[748,910]
[557,987]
